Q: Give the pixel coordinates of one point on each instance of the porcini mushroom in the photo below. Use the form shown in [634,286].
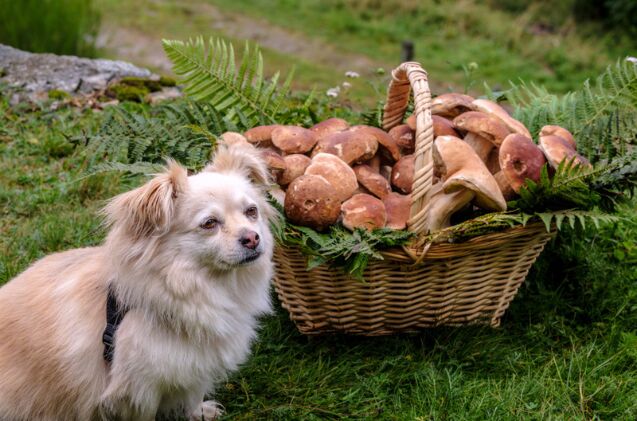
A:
[363,211]
[443,205]
[520,159]
[372,181]
[462,168]
[352,146]
[483,131]
[261,135]
[397,208]
[405,138]
[310,201]
[556,149]
[561,132]
[387,142]
[443,127]
[451,105]
[295,166]
[274,162]
[491,108]
[293,139]
[234,138]
[340,175]
[402,174]
[331,125]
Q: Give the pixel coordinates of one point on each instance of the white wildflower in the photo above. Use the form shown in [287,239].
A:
[632,59]
[352,74]
[333,92]
[346,85]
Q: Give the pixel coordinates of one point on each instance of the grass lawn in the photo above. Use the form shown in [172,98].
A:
[567,349]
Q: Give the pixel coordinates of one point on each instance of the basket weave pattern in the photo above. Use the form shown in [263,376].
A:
[412,288]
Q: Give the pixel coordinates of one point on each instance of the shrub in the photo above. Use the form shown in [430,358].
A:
[53,26]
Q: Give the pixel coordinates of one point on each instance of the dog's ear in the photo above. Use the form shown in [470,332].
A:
[148,210]
[243,159]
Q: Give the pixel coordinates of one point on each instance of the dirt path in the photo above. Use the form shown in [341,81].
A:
[145,49]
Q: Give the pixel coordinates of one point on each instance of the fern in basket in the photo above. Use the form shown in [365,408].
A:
[209,74]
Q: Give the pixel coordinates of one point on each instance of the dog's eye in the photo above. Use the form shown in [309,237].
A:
[209,224]
[252,212]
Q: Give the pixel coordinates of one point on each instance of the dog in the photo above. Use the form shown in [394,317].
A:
[188,257]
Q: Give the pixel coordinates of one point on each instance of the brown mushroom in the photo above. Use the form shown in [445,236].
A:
[389,148]
[234,138]
[397,207]
[352,146]
[340,175]
[402,174]
[556,150]
[442,206]
[491,108]
[443,127]
[520,159]
[261,135]
[375,163]
[507,191]
[561,132]
[385,171]
[363,211]
[493,161]
[293,139]
[462,168]
[274,161]
[451,105]
[331,125]
[483,131]
[372,181]
[295,166]
[310,201]
[411,122]
[405,138]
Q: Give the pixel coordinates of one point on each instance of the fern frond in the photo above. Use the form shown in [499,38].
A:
[209,74]
[602,116]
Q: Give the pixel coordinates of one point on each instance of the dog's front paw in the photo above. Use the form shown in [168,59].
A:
[207,411]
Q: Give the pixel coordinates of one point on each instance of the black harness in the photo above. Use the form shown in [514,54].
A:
[114,316]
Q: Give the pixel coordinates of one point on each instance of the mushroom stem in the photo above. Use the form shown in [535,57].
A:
[479,144]
[443,205]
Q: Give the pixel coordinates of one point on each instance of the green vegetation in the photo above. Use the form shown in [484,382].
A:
[50,26]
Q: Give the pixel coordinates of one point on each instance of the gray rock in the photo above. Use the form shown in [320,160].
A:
[36,73]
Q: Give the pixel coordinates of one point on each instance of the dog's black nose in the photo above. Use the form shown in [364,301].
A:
[249,240]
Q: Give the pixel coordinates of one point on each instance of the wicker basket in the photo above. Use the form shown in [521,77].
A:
[412,288]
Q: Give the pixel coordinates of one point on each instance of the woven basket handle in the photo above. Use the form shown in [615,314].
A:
[406,77]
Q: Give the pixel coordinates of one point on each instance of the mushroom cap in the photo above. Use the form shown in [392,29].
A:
[443,205]
[352,146]
[556,149]
[261,135]
[331,125]
[561,132]
[340,175]
[274,161]
[293,139]
[483,125]
[443,127]
[462,168]
[405,138]
[520,159]
[402,174]
[363,211]
[450,105]
[388,143]
[398,208]
[492,108]
[234,138]
[310,201]
[295,166]
[372,181]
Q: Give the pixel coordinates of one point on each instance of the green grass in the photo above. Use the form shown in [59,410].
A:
[50,26]
[567,348]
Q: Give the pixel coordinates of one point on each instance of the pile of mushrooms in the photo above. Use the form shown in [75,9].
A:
[362,176]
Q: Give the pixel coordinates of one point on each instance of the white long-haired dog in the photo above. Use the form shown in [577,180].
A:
[188,257]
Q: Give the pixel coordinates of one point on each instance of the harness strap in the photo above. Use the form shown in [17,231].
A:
[114,316]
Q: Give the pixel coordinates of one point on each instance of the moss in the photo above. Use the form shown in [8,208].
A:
[167,81]
[140,82]
[127,92]
[58,94]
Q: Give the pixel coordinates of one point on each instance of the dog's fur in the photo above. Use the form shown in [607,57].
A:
[193,293]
